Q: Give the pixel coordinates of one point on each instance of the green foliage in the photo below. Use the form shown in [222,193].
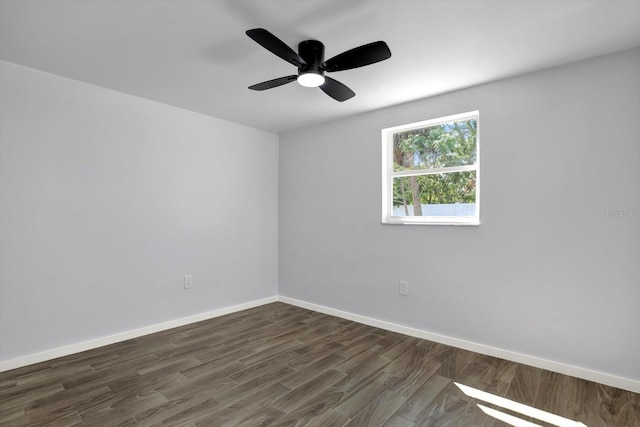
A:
[449,144]
[446,145]
[445,188]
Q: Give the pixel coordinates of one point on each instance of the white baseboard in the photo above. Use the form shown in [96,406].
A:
[122,336]
[550,365]
[575,371]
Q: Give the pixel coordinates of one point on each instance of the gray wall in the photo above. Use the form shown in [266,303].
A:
[107,200]
[548,273]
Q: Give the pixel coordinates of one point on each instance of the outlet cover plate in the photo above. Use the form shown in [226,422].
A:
[403,287]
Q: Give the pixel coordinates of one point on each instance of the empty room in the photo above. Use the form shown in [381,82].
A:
[369,213]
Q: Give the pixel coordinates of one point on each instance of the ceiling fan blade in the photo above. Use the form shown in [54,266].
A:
[273,83]
[358,57]
[276,46]
[336,90]
[269,84]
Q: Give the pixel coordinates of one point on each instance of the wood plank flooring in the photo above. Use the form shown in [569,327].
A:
[280,365]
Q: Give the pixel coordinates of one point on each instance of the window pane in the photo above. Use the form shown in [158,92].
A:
[444,194]
[445,145]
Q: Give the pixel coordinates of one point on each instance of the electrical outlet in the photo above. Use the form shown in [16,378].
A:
[188,281]
[403,287]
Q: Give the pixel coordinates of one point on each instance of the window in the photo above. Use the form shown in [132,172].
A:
[430,172]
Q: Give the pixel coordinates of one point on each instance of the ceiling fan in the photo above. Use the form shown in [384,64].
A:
[312,66]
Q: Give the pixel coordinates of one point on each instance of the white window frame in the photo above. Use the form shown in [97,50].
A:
[388,174]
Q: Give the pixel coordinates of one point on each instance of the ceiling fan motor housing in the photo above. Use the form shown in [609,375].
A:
[312,51]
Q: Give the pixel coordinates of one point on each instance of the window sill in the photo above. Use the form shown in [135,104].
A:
[404,221]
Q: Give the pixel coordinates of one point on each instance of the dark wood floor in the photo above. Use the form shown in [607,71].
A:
[281,365]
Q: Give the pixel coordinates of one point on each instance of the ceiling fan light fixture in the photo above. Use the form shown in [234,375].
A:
[311,79]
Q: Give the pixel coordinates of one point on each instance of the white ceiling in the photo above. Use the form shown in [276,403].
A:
[194,54]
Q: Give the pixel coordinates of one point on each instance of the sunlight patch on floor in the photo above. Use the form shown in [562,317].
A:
[513,406]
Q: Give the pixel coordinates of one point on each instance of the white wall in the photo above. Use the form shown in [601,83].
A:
[547,273]
[107,200]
